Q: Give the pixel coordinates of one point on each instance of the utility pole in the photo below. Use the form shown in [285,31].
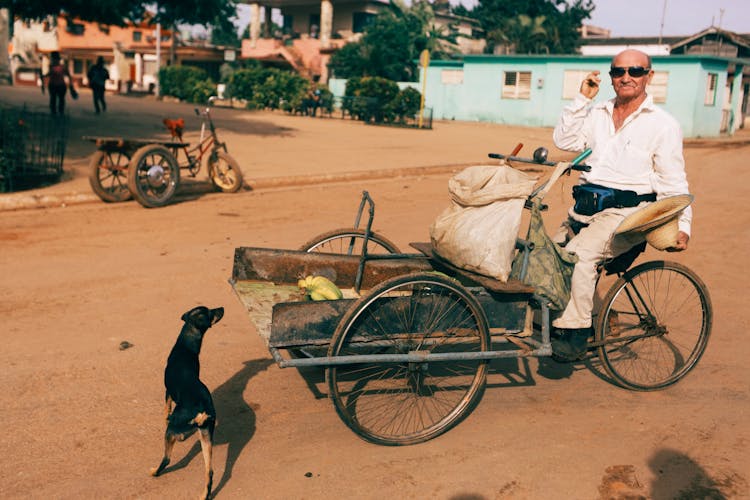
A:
[157,89]
[718,35]
[663,15]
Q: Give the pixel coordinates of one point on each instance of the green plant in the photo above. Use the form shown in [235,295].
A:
[406,104]
[326,99]
[369,98]
[179,81]
[266,88]
[202,91]
[281,86]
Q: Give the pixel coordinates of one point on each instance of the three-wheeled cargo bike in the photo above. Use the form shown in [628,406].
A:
[149,170]
[406,350]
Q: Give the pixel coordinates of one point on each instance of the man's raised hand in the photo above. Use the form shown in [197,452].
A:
[590,85]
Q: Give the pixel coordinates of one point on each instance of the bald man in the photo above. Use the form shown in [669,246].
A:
[636,159]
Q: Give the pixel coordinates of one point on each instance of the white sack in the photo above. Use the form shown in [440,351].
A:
[478,231]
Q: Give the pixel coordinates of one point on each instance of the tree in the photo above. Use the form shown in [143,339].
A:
[392,43]
[109,12]
[171,13]
[525,35]
[551,24]
[389,47]
[224,32]
[118,12]
[349,61]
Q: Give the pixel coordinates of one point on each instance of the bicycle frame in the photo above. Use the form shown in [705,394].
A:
[208,141]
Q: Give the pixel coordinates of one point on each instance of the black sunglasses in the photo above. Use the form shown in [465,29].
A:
[634,71]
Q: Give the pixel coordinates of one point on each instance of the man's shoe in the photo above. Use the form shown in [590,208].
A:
[570,344]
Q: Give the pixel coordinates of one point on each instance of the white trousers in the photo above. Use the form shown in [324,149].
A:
[593,245]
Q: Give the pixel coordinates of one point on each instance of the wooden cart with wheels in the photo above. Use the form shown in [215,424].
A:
[149,170]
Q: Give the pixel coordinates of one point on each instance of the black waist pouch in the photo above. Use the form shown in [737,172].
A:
[592,198]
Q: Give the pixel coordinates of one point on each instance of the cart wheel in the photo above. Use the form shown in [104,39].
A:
[661,313]
[153,175]
[108,175]
[224,172]
[349,242]
[407,403]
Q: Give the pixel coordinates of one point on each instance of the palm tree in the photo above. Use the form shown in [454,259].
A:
[522,34]
[420,16]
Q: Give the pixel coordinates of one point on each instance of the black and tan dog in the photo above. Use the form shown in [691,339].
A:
[194,408]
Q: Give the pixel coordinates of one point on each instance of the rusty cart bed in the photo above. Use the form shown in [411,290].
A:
[406,355]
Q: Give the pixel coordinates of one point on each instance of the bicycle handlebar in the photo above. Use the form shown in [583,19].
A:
[575,164]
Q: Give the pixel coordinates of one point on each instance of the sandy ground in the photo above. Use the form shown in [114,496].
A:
[83,418]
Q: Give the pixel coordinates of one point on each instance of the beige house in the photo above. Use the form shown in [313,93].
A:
[312,30]
[130,52]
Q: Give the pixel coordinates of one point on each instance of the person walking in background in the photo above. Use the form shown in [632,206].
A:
[57,80]
[98,76]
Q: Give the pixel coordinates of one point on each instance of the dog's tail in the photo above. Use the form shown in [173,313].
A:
[184,423]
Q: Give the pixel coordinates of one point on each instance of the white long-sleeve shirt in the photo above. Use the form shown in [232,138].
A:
[644,155]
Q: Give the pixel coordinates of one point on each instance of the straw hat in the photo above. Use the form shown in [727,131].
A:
[657,221]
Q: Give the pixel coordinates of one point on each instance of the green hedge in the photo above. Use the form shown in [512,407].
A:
[370,99]
[270,88]
[186,83]
[380,100]
[405,104]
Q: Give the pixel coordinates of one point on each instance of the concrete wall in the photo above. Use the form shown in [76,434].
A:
[478,96]
[471,89]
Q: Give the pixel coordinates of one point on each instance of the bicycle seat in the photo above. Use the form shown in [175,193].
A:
[622,262]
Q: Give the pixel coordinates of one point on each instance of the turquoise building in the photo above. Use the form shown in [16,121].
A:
[705,93]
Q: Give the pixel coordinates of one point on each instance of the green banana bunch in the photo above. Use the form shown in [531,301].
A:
[320,288]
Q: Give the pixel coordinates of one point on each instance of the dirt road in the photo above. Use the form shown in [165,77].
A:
[84,418]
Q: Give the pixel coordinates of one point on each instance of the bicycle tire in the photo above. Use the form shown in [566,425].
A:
[662,312]
[349,241]
[397,404]
[153,175]
[224,172]
[108,176]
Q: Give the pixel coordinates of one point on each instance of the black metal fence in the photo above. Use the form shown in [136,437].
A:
[32,147]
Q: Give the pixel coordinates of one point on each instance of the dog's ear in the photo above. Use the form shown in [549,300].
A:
[216,315]
[197,316]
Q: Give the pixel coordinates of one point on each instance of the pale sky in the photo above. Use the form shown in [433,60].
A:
[681,17]
[644,17]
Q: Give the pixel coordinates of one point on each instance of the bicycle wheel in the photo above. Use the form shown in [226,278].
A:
[153,175]
[108,175]
[655,320]
[349,241]
[224,172]
[404,403]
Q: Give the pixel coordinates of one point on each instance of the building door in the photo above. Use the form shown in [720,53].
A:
[314,26]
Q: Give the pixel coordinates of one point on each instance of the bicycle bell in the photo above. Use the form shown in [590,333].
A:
[540,155]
